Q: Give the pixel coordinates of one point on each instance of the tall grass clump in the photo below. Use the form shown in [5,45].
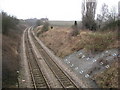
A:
[98,41]
[44,28]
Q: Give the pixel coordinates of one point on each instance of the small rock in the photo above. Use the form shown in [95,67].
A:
[80,53]
[88,58]
[65,59]
[17,71]
[69,62]
[101,63]
[23,80]
[106,51]
[87,75]
[107,66]
[114,54]
[81,72]
[94,60]
[76,68]
[83,56]
[72,65]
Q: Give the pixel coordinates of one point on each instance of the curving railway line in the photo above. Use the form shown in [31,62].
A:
[39,79]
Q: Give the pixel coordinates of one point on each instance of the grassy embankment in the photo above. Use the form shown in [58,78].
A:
[11,35]
[60,41]
[10,60]
[10,56]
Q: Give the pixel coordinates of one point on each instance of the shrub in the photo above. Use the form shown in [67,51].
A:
[45,27]
[75,31]
[8,22]
[39,22]
[98,41]
[112,25]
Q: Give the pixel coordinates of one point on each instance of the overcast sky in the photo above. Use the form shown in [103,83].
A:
[52,9]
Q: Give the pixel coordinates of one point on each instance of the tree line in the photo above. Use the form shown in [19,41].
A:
[8,22]
[104,20]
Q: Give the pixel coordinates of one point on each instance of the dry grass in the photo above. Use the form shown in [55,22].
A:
[99,41]
[108,78]
[10,58]
[38,30]
[56,35]
[62,43]
[9,61]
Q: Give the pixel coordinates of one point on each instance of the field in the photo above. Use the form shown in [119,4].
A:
[62,23]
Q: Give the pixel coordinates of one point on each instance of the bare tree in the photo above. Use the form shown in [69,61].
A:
[119,9]
[83,14]
[104,16]
[113,14]
[105,12]
[88,14]
[99,20]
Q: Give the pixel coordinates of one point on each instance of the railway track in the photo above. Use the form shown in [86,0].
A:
[38,78]
[62,77]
